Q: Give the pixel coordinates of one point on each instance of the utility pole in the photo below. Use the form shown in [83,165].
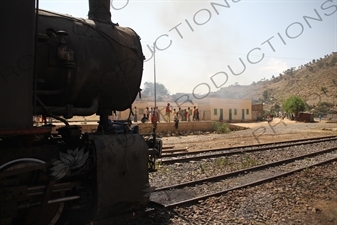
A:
[154,70]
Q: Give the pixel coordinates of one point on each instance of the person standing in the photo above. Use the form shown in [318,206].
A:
[168,112]
[174,112]
[135,111]
[176,120]
[189,114]
[153,119]
[179,113]
[147,113]
[196,114]
[156,110]
[151,111]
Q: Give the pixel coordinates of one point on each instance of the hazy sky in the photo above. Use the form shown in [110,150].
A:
[209,44]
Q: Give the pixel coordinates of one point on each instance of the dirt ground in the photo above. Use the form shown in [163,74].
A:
[326,211]
[256,133]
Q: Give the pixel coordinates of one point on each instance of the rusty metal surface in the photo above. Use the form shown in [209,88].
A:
[122,174]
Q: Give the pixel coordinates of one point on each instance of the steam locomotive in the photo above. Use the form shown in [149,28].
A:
[57,66]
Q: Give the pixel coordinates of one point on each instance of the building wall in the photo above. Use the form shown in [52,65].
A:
[226,109]
[257,107]
[257,116]
[257,111]
[306,117]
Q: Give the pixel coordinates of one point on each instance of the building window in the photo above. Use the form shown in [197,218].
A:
[215,112]
[235,111]
[247,111]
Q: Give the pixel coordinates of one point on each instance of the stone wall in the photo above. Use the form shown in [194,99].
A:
[145,128]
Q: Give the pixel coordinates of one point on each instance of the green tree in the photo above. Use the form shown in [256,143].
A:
[161,90]
[294,104]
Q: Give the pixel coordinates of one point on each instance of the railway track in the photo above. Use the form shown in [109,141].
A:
[193,191]
[172,173]
[220,152]
[171,151]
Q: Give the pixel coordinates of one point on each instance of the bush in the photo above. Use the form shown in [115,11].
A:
[220,128]
[294,104]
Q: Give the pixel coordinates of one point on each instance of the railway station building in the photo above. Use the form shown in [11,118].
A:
[231,110]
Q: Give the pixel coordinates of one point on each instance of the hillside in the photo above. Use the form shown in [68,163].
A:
[315,82]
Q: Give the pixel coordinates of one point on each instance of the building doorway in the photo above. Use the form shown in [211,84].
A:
[221,114]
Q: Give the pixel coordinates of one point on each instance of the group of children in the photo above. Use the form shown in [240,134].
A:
[153,115]
[186,114]
[181,114]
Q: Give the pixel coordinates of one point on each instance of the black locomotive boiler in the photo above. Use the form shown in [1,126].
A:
[57,66]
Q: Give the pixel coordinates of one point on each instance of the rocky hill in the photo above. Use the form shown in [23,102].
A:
[315,82]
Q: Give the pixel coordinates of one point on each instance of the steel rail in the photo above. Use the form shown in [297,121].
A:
[248,146]
[215,194]
[242,171]
[235,152]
